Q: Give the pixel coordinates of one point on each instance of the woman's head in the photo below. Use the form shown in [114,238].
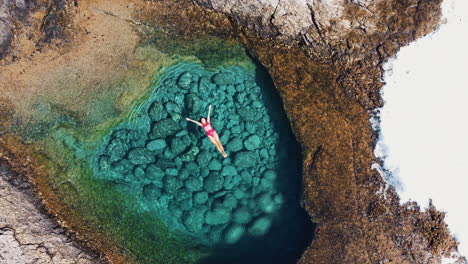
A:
[203,120]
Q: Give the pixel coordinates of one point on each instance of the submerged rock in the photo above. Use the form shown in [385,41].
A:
[245,159]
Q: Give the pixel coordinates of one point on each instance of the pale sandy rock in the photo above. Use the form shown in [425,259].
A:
[27,235]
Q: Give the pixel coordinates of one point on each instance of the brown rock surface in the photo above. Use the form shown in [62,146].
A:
[326,62]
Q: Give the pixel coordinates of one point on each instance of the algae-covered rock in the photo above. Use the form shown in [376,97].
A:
[234,145]
[190,154]
[213,183]
[151,192]
[242,215]
[175,209]
[184,80]
[228,171]
[171,184]
[116,149]
[124,167]
[200,197]
[215,165]
[233,234]
[245,159]
[224,78]
[194,220]
[194,103]
[105,163]
[230,201]
[252,142]
[192,168]
[154,173]
[265,201]
[231,181]
[186,204]
[183,194]
[270,175]
[260,226]
[139,173]
[246,177]
[164,128]
[204,86]
[203,159]
[156,111]
[218,216]
[157,145]
[194,183]
[179,144]
[248,114]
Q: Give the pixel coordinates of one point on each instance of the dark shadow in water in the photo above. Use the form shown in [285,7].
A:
[292,231]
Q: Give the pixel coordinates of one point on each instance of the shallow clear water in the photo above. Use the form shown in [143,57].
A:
[245,207]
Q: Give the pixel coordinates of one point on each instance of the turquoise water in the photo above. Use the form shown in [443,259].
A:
[244,207]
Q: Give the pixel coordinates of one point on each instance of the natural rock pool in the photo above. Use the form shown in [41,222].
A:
[246,205]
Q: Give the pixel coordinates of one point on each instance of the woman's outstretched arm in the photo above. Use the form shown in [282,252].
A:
[209,113]
[191,120]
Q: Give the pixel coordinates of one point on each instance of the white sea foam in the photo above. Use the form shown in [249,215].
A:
[424,122]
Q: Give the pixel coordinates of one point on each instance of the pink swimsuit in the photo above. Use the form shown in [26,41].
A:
[209,130]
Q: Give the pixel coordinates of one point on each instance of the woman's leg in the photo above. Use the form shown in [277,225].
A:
[218,146]
[216,136]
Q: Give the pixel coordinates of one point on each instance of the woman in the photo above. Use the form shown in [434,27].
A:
[210,132]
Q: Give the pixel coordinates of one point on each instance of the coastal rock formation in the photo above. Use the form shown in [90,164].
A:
[27,235]
[325,58]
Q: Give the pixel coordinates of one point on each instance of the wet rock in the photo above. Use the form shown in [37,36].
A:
[104,163]
[175,209]
[234,145]
[224,78]
[252,142]
[171,184]
[194,183]
[140,156]
[116,149]
[179,144]
[156,112]
[151,192]
[245,159]
[218,216]
[203,159]
[139,173]
[123,167]
[191,154]
[215,165]
[192,168]
[157,146]
[200,197]
[194,220]
[164,128]
[213,183]
[248,114]
[230,201]
[186,204]
[260,226]
[229,171]
[242,216]
[194,103]
[184,80]
[183,194]
[234,234]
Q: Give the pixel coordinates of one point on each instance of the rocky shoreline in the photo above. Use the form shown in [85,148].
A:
[28,233]
[326,62]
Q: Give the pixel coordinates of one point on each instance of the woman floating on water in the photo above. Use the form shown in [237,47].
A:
[210,132]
